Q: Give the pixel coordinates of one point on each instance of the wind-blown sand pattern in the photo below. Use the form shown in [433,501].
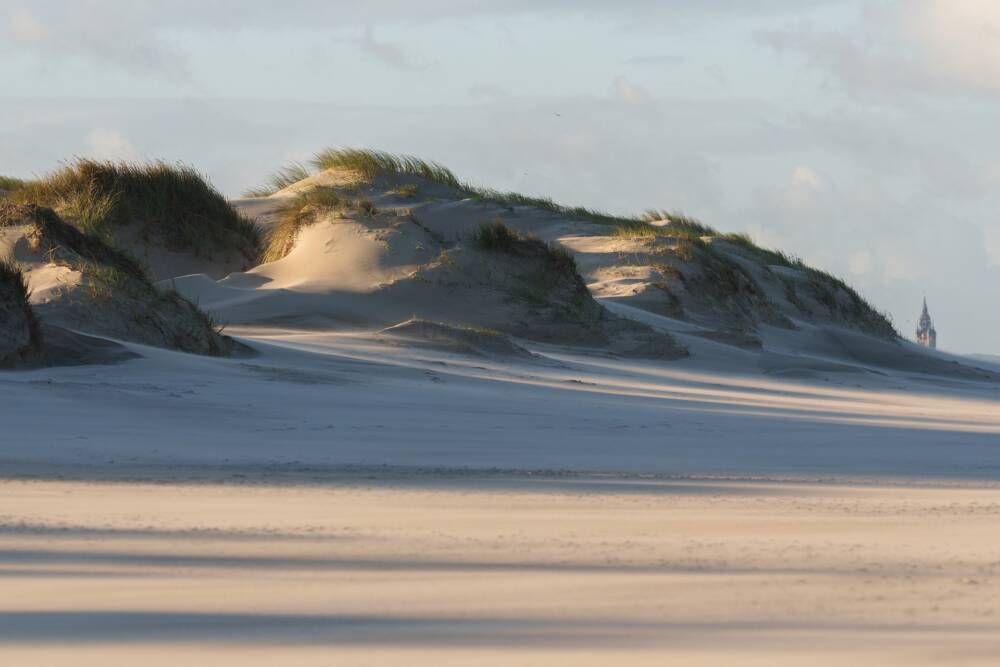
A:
[578,439]
[427,570]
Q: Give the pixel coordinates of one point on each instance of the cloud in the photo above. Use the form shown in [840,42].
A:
[387,53]
[24,28]
[105,33]
[959,40]
[105,144]
[903,46]
[801,197]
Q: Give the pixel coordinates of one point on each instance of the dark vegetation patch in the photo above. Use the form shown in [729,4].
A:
[10,184]
[169,202]
[548,282]
[497,237]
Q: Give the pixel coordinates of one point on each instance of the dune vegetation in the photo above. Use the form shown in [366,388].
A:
[172,203]
[497,237]
[698,260]
[114,296]
[279,180]
[8,184]
[304,209]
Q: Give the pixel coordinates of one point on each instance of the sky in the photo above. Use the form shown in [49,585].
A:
[859,135]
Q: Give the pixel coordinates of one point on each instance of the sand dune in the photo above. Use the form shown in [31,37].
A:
[79,283]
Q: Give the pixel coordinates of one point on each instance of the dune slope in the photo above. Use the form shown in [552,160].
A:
[80,283]
[20,332]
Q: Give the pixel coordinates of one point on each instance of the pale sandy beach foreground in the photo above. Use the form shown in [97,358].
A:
[495,570]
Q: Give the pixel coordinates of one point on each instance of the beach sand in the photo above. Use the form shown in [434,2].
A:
[494,570]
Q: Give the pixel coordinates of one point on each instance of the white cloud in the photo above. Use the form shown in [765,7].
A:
[105,144]
[959,39]
[24,28]
[914,46]
[123,35]
[800,196]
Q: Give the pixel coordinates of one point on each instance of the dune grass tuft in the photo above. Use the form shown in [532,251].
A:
[678,226]
[765,255]
[372,163]
[172,202]
[279,180]
[497,237]
[9,183]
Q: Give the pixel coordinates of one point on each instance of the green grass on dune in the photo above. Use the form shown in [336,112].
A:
[372,163]
[9,183]
[279,180]
[172,202]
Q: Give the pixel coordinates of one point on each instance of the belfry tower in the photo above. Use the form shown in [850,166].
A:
[926,334]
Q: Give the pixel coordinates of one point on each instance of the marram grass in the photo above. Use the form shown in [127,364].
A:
[173,202]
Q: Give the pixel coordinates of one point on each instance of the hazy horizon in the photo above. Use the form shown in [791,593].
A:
[857,135]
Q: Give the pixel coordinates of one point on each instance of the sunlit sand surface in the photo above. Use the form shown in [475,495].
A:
[419,569]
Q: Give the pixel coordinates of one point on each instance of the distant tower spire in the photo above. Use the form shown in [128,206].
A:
[926,334]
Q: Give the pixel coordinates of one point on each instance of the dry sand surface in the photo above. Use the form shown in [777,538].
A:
[498,571]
